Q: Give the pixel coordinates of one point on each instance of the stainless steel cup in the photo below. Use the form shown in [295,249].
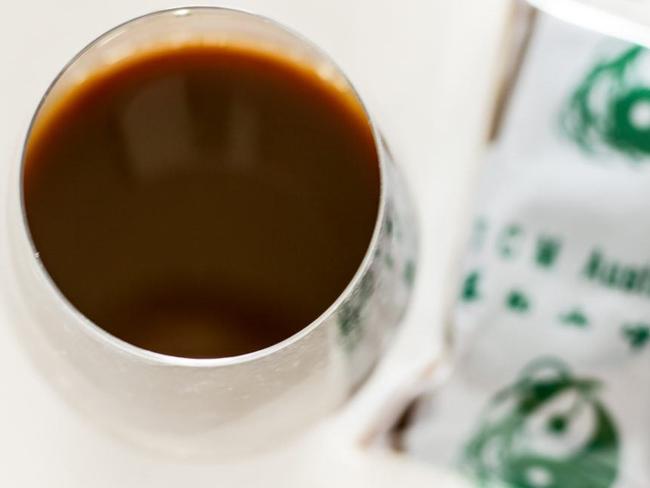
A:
[226,405]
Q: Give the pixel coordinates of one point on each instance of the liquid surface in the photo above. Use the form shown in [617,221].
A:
[203,201]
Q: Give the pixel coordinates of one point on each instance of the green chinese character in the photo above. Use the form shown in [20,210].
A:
[517,301]
[575,317]
[547,251]
[637,335]
[509,239]
[470,292]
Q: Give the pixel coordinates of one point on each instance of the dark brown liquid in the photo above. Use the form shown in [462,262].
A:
[203,201]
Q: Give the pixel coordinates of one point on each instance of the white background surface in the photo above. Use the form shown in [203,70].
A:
[425,69]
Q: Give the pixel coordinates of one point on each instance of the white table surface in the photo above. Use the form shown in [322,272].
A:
[425,69]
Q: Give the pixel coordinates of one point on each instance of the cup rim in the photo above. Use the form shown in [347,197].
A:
[123,346]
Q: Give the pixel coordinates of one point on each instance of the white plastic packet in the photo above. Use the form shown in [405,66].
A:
[551,382]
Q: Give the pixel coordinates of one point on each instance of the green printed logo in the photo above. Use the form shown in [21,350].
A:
[611,108]
[548,430]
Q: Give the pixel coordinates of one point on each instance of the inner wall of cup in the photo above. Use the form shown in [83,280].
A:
[175,28]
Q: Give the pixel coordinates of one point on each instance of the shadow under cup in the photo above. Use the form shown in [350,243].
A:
[213,241]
